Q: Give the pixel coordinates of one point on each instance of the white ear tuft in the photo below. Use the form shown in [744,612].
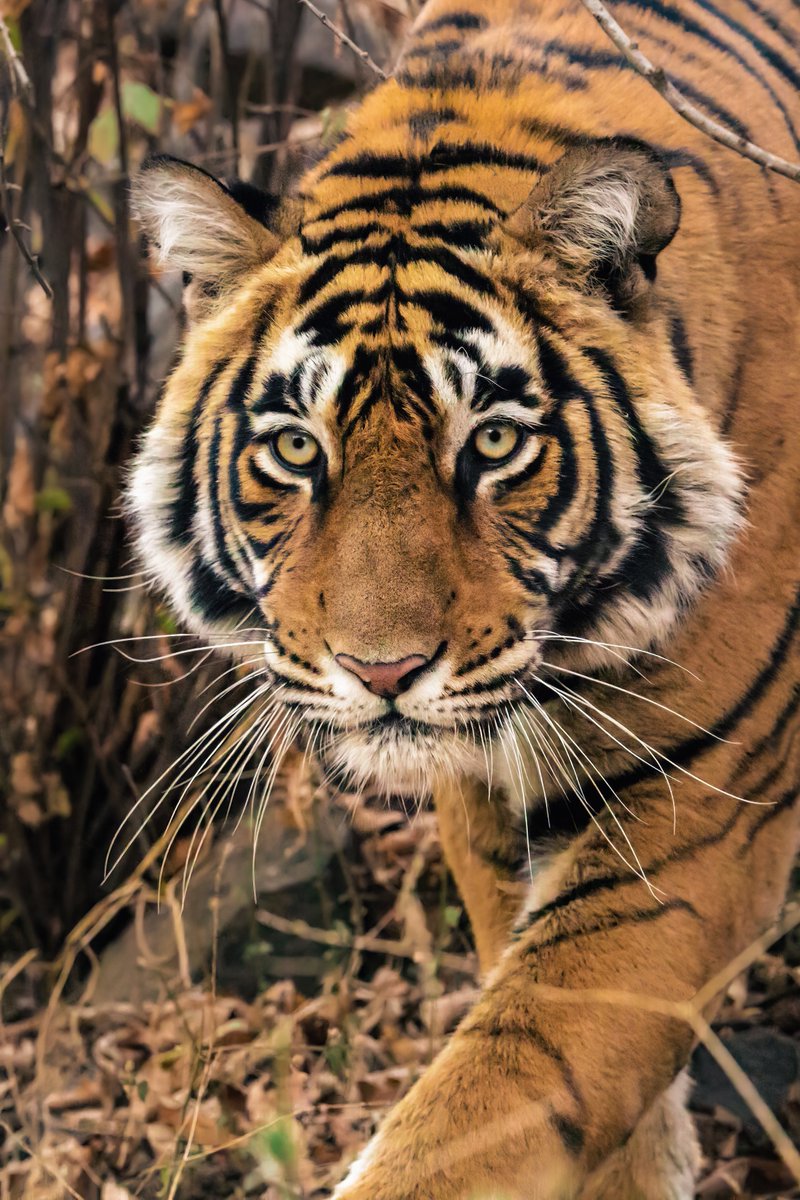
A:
[603,208]
[195,223]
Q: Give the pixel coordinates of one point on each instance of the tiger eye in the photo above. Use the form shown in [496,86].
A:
[296,449]
[496,440]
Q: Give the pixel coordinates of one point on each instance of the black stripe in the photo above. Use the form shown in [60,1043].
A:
[326,323]
[457,233]
[608,59]
[691,26]
[336,237]
[450,311]
[680,346]
[772,56]
[459,20]
[534,581]
[689,749]
[211,597]
[184,506]
[784,802]
[405,198]
[651,471]
[612,921]
[224,558]
[433,49]
[771,21]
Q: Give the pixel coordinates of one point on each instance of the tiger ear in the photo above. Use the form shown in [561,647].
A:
[605,209]
[211,233]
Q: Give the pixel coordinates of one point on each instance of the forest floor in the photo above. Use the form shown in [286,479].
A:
[262,1073]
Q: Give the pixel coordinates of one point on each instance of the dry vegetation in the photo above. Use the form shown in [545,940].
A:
[217,1046]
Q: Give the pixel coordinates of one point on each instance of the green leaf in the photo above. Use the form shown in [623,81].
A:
[142,1089]
[53,499]
[334,123]
[68,741]
[104,137]
[452,915]
[280,1141]
[335,1054]
[142,105]
[165,622]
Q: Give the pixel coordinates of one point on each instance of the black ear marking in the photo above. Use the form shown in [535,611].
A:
[260,205]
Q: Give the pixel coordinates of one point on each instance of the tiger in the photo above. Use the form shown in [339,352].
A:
[489,438]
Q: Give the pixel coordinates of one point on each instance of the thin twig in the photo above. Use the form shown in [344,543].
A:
[230,81]
[686,1010]
[376,945]
[15,227]
[343,39]
[658,79]
[21,78]
[20,85]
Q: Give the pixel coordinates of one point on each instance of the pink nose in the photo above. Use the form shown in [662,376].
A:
[385,679]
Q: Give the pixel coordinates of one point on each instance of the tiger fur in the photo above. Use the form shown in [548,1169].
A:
[517,239]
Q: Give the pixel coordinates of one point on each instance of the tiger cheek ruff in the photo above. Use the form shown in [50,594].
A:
[459,445]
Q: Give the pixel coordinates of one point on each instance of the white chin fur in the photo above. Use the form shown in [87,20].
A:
[396,764]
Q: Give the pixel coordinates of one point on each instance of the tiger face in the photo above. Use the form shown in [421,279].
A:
[415,458]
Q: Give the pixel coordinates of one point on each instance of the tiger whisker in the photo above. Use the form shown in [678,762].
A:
[636,696]
[196,748]
[520,772]
[289,734]
[665,757]
[262,671]
[561,733]
[551,635]
[225,748]
[578,704]
[159,637]
[163,683]
[180,653]
[535,754]
[240,752]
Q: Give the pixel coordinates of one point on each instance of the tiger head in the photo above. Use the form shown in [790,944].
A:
[417,455]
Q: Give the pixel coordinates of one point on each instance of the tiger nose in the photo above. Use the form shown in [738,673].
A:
[387,679]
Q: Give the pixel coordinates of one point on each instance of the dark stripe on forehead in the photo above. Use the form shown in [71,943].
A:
[450,311]
[442,156]
[273,398]
[326,323]
[405,199]
[357,379]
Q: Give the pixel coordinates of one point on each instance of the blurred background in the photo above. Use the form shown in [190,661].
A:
[158,1040]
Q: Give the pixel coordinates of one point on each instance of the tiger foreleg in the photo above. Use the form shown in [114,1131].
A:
[558,1083]
[660,1160]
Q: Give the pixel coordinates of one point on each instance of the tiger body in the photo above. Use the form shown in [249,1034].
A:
[493,242]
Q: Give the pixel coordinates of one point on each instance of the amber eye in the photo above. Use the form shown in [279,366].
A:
[497,440]
[295,449]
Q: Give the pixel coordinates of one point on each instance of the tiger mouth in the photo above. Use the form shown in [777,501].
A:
[394,722]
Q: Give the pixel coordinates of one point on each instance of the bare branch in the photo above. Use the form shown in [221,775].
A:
[657,78]
[343,39]
[20,85]
[230,82]
[20,79]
